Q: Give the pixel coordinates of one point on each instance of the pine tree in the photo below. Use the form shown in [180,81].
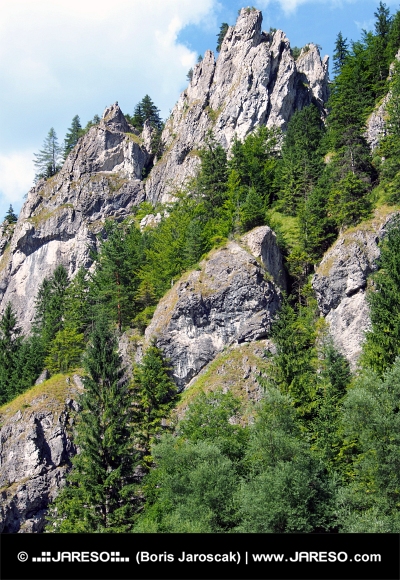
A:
[212,179]
[146,111]
[116,280]
[49,306]
[48,159]
[340,54]
[73,135]
[382,343]
[302,162]
[154,395]
[100,495]
[10,344]
[10,216]
[221,35]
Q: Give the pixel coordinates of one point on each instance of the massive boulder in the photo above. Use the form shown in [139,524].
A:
[35,452]
[341,280]
[100,179]
[230,299]
[255,81]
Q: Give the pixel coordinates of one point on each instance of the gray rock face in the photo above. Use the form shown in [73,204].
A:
[59,221]
[35,452]
[341,280]
[232,298]
[255,81]
[376,124]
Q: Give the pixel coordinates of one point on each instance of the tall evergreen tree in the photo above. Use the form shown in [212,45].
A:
[302,161]
[212,179]
[73,135]
[100,493]
[154,396]
[116,280]
[10,344]
[49,305]
[48,159]
[221,34]
[10,216]
[382,344]
[146,110]
[340,54]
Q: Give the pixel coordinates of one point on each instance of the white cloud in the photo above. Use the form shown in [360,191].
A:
[52,44]
[63,57]
[16,178]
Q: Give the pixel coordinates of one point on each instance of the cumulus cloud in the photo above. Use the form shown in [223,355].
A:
[50,46]
[59,58]
[16,178]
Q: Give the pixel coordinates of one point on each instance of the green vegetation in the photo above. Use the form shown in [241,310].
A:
[221,35]
[319,452]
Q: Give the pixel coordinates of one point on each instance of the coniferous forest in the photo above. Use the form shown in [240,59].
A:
[321,450]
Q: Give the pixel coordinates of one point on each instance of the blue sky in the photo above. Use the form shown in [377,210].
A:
[60,58]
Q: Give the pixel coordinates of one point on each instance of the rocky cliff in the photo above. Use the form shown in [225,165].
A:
[254,81]
[232,298]
[35,451]
[341,280]
[100,179]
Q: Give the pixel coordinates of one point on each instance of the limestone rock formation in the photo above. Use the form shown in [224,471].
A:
[255,81]
[232,298]
[340,283]
[377,120]
[35,452]
[101,178]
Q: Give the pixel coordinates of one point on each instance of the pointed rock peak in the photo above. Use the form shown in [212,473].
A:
[114,120]
[247,28]
[249,22]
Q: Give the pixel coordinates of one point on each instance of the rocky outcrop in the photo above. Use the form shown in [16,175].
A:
[100,179]
[232,298]
[376,124]
[255,81]
[341,280]
[35,452]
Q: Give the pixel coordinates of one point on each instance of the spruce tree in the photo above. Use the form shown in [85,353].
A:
[302,162]
[382,344]
[212,179]
[100,495]
[72,136]
[154,395]
[146,111]
[49,305]
[10,344]
[10,216]
[221,35]
[340,54]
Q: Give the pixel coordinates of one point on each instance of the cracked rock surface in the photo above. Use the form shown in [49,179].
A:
[231,299]
[61,216]
[340,284]
[255,81]
[35,451]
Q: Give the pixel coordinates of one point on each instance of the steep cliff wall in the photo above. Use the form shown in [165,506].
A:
[35,451]
[232,298]
[255,81]
[340,282]
[58,223]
